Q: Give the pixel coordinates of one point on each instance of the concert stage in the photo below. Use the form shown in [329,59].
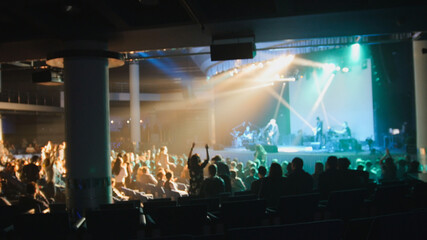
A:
[310,156]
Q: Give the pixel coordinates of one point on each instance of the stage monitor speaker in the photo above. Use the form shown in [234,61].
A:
[315,145]
[267,148]
[270,148]
[232,51]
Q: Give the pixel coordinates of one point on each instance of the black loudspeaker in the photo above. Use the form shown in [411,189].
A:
[220,52]
[41,76]
[267,148]
[270,148]
[46,77]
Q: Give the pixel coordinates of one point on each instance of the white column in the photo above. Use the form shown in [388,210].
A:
[87,118]
[135,115]
[420,77]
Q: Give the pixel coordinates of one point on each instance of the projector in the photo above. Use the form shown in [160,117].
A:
[47,77]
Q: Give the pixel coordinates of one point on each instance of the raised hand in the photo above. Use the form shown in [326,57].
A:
[194,144]
[206,146]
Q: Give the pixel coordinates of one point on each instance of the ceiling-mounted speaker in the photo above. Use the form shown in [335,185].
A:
[47,77]
[232,51]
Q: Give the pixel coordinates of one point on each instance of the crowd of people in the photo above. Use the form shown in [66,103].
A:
[39,180]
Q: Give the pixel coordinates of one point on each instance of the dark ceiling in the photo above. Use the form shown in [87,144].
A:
[64,19]
[31,28]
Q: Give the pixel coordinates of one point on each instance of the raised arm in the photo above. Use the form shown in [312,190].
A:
[207,157]
[191,151]
[207,152]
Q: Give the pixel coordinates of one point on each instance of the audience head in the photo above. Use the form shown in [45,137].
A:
[318,167]
[285,166]
[262,171]
[160,175]
[368,165]
[169,175]
[360,168]
[414,167]
[332,162]
[275,171]
[233,165]
[239,166]
[343,163]
[212,170]
[164,149]
[34,159]
[194,160]
[297,164]
[252,171]
[217,158]
[117,165]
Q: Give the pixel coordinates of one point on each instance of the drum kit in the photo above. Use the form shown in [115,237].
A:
[249,136]
[338,140]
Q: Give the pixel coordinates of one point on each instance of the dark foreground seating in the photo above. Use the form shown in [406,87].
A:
[175,220]
[345,204]
[113,223]
[330,229]
[243,213]
[42,226]
[298,208]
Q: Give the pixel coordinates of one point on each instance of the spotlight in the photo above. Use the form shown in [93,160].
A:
[355,52]
[345,69]
[140,121]
[127,121]
[112,121]
[329,67]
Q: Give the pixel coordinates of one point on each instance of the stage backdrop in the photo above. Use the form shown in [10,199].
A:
[334,96]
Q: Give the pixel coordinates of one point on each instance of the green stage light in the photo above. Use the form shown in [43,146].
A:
[355,52]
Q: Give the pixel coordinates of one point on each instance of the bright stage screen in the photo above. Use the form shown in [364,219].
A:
[336,97]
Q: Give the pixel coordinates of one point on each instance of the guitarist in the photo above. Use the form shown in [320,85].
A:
[272,132]
[319,130]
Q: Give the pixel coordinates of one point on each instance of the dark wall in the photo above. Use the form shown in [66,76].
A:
[393,89]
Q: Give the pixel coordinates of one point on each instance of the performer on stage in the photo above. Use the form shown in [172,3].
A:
[272,132]
[345,132]
[319,130]
[248,134]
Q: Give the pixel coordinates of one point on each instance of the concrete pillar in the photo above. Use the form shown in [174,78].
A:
[135,115]
[420,76]
[87,114]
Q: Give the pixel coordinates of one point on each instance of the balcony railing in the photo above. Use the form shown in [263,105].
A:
[35,98]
